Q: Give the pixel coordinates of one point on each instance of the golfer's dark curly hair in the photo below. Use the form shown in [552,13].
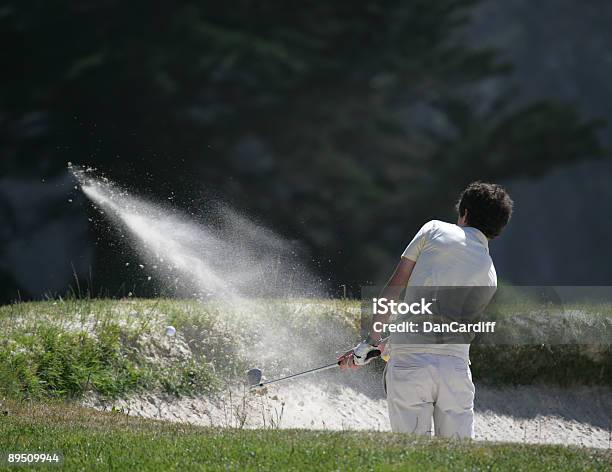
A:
[488,206]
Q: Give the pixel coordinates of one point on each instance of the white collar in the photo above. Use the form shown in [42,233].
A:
[479,234]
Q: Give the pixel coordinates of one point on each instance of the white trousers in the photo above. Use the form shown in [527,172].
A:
[422,388]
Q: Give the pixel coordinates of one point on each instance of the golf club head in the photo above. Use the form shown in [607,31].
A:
[254,377]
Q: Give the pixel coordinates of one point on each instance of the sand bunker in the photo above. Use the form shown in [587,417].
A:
[528,414]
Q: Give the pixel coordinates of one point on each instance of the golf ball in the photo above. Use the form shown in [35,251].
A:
[170,330]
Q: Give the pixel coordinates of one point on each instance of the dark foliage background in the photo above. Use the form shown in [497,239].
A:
[342,124]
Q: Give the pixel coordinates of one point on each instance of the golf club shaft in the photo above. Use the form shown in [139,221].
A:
[372,354]
[299,374]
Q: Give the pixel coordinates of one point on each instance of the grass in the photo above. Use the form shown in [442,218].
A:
[564,365]
[54,352]
[90,440]
[67,348]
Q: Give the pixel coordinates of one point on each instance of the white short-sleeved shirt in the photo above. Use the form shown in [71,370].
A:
[448,255]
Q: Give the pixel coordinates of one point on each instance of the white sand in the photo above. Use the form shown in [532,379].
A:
[528,414]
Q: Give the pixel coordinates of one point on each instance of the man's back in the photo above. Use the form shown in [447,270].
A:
[446,255]
[450,255]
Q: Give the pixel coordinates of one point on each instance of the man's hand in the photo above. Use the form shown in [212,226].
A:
[360,355]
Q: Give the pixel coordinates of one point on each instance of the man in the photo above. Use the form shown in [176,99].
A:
[433,382]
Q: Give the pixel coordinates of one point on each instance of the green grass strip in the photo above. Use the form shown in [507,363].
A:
[92,440]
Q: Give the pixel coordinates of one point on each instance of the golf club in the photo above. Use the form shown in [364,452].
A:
[254,375]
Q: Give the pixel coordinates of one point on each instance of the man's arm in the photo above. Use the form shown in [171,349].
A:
[392,290]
